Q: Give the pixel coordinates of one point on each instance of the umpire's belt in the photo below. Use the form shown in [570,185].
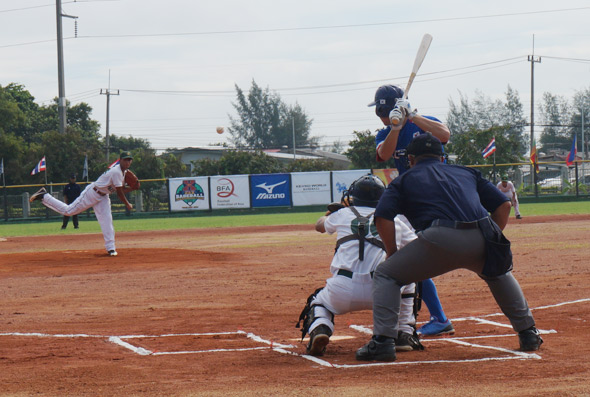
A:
[455,224]
[348,273]
[98,191]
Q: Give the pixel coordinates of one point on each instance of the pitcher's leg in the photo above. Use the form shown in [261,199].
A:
[102,210]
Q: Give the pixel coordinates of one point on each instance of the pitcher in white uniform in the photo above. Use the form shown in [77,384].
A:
[96,195]
[350,287]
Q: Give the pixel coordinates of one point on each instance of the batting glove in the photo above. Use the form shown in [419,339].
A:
[397,117]
[407,108]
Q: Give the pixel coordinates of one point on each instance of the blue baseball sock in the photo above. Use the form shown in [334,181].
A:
[430,297]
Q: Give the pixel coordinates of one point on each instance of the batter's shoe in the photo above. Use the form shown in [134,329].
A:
[379,348]
[318,340]
[435,327]
[530,339]
[518,217]
[406,342]
[38,195]
[113,253]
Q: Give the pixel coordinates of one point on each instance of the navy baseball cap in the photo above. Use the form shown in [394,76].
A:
[425,144]
[385,98]
[73,176]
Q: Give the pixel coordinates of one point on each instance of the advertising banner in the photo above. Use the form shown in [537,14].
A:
[189,194]
[230,191]
[341,180]
[270,190]
[386,174]
[310,188]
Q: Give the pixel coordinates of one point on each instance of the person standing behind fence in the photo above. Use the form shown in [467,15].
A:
[509,191]
[71,192]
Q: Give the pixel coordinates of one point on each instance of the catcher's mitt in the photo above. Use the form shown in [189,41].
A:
[131,180]
[333,207]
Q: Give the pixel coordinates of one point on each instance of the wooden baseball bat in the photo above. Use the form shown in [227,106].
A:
[422,50]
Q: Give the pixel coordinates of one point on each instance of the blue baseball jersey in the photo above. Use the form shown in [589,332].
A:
[406,134]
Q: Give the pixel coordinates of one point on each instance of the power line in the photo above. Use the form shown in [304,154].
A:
[337,26]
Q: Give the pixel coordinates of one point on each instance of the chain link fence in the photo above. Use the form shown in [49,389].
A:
[553,179]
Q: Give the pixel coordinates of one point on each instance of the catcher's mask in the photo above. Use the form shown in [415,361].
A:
[365,191]
[385,98]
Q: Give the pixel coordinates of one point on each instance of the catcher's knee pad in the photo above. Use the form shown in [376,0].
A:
[308,315]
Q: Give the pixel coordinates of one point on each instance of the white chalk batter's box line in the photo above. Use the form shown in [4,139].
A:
[123,341]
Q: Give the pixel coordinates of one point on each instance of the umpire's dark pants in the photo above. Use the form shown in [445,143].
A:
[436,251]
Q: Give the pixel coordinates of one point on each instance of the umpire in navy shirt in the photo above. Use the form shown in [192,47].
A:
[71,193]
[459,217]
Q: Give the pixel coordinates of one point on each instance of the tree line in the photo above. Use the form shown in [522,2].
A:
[29,131]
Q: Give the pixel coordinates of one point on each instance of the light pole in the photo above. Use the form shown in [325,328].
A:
[293,123]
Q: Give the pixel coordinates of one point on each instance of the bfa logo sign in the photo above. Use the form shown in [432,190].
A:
[189,191]
[225,188]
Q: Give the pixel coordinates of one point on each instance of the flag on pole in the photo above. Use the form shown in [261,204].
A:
[40,167]
[572,156]
[491,148]
[114,164]
[85,172]
[534,156]
[2,166]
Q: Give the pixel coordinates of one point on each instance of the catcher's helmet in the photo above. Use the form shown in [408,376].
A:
[385,99]
[365,191]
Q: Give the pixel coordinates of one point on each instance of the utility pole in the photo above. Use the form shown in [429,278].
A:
[108,92]
[293,123]
[61,101]
[532,59]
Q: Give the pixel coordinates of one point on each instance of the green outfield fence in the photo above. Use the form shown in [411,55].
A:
[555,181]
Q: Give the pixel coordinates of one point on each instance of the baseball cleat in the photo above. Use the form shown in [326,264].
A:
[378,349]
[518,217]
[38,195]
[435,327]
[406,342]
[112,253]
[530,339]
[318,340]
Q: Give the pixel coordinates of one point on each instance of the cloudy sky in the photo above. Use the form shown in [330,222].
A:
[175,63]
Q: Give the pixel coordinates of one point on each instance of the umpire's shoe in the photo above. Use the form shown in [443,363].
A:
[38,195]
[379,348]
[318,340]
[530,339]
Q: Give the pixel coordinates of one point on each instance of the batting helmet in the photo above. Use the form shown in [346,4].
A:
[365,191]
[385,98]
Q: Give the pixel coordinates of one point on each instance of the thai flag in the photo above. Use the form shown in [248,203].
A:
[491,148]
[572,156]
[40,167]
[116,162]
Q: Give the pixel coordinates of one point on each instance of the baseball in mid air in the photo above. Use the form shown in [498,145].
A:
[220,130]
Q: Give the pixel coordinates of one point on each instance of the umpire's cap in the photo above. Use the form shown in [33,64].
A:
[385,98]
[125,155]
[425,144]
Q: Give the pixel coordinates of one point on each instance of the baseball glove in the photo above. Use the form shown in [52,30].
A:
[131,180]
[335,206]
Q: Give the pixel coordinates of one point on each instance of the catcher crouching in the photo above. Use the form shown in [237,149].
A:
[359,250]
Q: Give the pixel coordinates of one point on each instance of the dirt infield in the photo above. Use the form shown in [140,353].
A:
[212,312]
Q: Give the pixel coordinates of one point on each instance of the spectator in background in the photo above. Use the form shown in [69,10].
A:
[71,193]
[507,188]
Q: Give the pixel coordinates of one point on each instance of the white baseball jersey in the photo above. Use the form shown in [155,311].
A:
[508,190]
[344,294]
[96,195]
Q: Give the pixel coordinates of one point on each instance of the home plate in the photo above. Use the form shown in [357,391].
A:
[332,338]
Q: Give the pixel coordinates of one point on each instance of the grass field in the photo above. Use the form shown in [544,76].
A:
[89,225]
